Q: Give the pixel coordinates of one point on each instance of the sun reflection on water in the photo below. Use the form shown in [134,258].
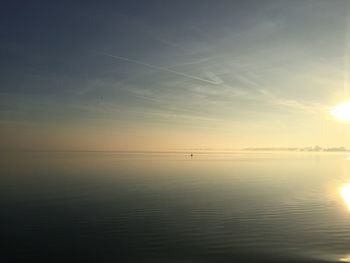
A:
[345,259]
[345,194]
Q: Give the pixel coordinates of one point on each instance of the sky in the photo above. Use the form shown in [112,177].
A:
[172,75]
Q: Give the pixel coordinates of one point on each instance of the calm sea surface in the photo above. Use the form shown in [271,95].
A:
[169,207]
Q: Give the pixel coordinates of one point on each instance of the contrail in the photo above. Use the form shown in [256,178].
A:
[160,68]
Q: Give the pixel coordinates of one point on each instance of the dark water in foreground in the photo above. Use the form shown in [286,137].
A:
[238,207]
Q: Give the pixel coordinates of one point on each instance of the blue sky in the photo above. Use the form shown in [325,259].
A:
[172,74]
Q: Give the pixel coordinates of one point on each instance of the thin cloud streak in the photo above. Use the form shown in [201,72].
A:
[160,68]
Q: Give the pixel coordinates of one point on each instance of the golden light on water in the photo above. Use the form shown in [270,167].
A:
[345,259]
[341,112]
[345,194]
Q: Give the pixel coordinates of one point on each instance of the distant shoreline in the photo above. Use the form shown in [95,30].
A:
[189,151]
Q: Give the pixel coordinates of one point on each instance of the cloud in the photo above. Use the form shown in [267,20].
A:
[210,81]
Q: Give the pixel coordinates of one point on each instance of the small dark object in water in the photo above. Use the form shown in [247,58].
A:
[191,155]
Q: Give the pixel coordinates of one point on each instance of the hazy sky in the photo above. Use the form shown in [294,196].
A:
[104,75]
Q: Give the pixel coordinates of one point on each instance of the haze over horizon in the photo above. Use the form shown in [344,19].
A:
[137,75]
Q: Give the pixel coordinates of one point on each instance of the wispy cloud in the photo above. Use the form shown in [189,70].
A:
[159,68]
[291,103]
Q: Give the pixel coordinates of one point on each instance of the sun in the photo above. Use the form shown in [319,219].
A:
[341,112]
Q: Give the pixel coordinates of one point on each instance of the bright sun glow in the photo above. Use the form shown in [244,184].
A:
[345,259]
[341,112]
[345,193]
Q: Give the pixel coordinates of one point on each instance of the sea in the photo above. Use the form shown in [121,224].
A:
[237,206]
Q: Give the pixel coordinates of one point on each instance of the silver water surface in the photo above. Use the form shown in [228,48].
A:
[168,207]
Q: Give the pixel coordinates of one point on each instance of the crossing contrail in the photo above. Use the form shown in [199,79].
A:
[160,68]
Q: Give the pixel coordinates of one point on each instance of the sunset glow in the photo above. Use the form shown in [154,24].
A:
[342,112]
[345,194]
[175,131]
